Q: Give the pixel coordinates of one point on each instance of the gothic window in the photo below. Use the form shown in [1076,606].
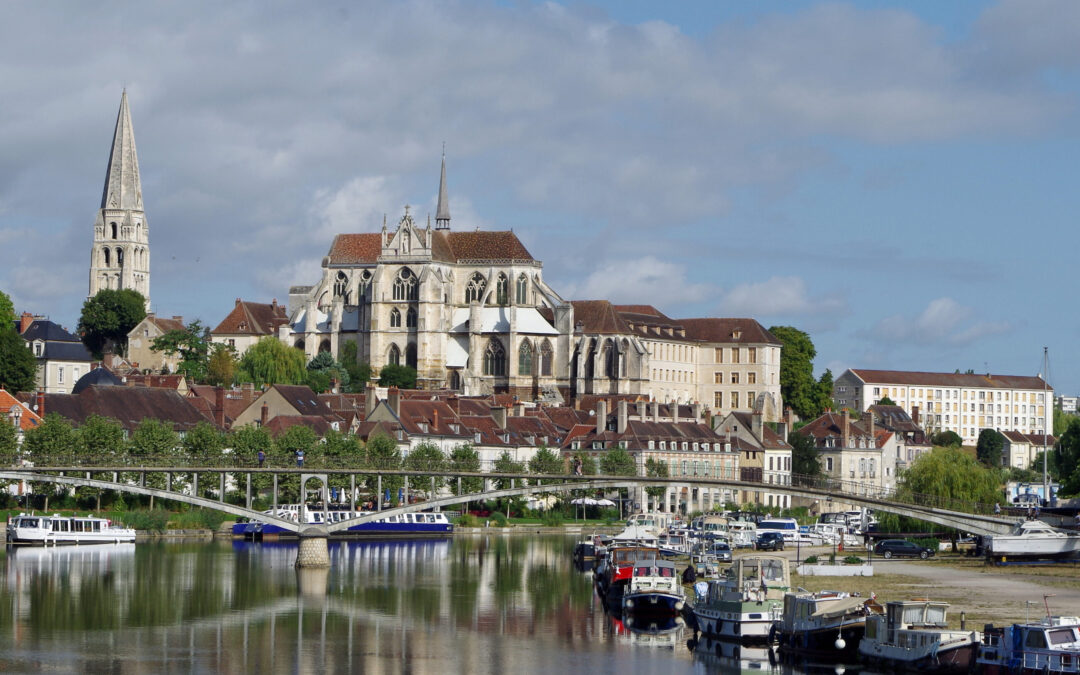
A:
[522,290]
[120,257]
[107,262]
[494,358]
[394,357]
[410,356]
[502,289]
[545,358]
[406,286]
[474,290]
[455,380]
[611,360]
[624,351]
[324,346]
[364,288]
[113,227]
[410,318]
[339,284]
[395,318]
[525,358]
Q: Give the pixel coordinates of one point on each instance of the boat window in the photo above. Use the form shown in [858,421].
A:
[772,570]
[28,522]
[1061,636]
[97,526]
[1036,639]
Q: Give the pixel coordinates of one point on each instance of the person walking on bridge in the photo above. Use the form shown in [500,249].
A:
[299,459]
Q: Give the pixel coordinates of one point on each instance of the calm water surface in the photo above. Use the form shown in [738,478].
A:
[491,604]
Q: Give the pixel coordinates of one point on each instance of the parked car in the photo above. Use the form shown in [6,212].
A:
[901,548]
[770,541]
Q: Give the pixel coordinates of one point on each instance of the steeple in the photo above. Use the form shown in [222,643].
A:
[442,211]
[120,254]
[123,189]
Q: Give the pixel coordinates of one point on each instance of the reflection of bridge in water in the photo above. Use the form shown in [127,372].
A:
[968,517]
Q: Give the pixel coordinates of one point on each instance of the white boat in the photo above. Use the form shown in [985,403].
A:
[834,533]
[743,604]
[1048,646]
[914,635]
[51,530]
[644,528]
[671,544]
[655,590]
[823,623]
[788,527]
[1034,539]
[743,533]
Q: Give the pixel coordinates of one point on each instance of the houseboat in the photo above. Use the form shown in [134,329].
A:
[745,601]
[655,591]
[914,635]
[1048,646]
[615,570]
[43,530]
[417,524]
[823,623]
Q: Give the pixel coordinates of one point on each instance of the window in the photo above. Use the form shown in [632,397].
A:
[718,354]
[37,349]
[494,358]
[751,378]
[394,357]
[522,290]
[545,358]
[502,289]
[718,400]
[734,378]
[734,354]
[828,464]
[363,287]
[474,290]
[339,284]
[410,318]
[734,400]
[395,318]
[406,285]
[751,354]
[718,378]
[106,252]
[60,375]
[525,358]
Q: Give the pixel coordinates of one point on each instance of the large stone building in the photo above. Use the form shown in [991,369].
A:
[120,254]
[959,402]
[61,357]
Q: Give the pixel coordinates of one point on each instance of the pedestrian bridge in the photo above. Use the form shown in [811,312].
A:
[965,516]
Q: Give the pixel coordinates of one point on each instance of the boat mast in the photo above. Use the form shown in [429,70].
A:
[1047,416]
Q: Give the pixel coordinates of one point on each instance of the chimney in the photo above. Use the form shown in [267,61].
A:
[334,385]
[757,425]
[219,407]
[845,429]
[247,390]
[870,423]
[915,414]
[641,410]
[782,430]
[622,419]
[519,409]
[393,397]
[435,421]
[40,404]
[265,417]
[273,305]
[498,413]
[24,322]
[655,411]
[601,416]
[789,415]
[369,400]
[674,408]
[697,411]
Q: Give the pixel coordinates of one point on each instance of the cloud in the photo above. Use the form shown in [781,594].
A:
[646,280]
[779,296]
[943,322]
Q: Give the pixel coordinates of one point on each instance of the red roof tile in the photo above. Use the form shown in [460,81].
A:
[252,318]
[749,331]
[917,378]
[351,249]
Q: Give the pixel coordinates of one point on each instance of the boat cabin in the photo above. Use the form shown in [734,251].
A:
[756,578]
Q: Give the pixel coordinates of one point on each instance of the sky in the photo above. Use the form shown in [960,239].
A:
[898,179]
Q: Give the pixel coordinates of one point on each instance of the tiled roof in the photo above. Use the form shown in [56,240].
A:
[283,423]
[163,381]
[770,439]
[1031,439]
[43,329]
[304,400]
[351,249]
[252,318]
[959,380]
[724,330]
[643,310]
[127,405]
[894,417]
[485,246]
[27,418]
[599,316]
[565,418]
[65,351]
[166,325]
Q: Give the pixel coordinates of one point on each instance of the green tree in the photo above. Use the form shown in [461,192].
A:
[402,377]
[655,468]
[325,365]
[359,373]
[102,439]
[382,453]
[804,455]
[341,450]
[7,312]
[465,459]
[271,361]
[947,439]
[221,365]
[951,474]
[617,462]
[506,464]
[247,441]
[296,438]
[108,317]
[18,367]
[427,457]
[53,442]
[203,445]
[546,462]
[989,446]
[9,444]
[153,442]
[1062,420]
[885,400]
[797,385]
[824,391]
[191,344]
[1067,456]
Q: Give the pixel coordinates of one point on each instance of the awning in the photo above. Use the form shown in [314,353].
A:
[838,608]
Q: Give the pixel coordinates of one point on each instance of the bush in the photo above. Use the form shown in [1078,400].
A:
[552,519]
[832,558]
[931,543]
[468,520]
[150,520]
[197,519]
[853,560]
[811,560]
[498,519]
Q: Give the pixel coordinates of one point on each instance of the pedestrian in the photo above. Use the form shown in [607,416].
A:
[262,458]
[300,459]
[689,575]
[1036,511]
[997,509]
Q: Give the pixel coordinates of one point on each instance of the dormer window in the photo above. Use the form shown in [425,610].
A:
[454,428]
[243,325]
[652,444]
[663,445]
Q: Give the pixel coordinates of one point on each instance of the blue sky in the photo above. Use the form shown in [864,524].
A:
[897,179]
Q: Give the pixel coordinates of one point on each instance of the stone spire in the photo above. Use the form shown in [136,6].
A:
[123,189]
[120,254]
[442,211]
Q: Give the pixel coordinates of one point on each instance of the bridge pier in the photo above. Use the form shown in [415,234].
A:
[312,552]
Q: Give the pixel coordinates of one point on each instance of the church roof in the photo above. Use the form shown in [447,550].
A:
[599,316]
[352,249]
[123,189]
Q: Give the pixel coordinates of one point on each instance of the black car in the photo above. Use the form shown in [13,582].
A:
[901,548]
[770,541]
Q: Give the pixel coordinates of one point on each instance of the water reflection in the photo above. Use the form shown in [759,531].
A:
[480,604]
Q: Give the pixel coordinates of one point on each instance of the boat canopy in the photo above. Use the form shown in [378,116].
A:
[839,607]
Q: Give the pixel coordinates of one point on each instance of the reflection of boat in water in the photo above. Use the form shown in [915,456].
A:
[46,530]
[420,523]
[828,623]
[914,635]
[665,633]
[725,656]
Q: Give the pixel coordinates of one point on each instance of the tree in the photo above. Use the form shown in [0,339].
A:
[153,441]
[50,443]
[221,366]
[101,438]
[804,455]
[617,462]
[7,312]
[885,400]
[9,444]
[546,462]
[465,459]
[203,445]
[655,468]
[18,367]
[1062,420]
[192,344]
[108,317]
[989,446]
[359,373]
[506,464]
[797,385]
[297,438]
[402,377]
[1067,457]
[947,439]
[588,463]
[951,474]
[247,441]
[271,361]
[382,453]
[327,369]
[427,457]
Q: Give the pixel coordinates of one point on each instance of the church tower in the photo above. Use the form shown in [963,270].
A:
[120,256]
